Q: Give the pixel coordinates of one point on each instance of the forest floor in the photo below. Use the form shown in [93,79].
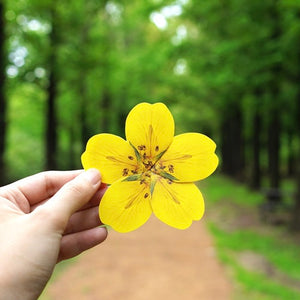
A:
[153,262]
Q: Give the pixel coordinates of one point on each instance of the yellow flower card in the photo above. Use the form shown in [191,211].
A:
[152,171]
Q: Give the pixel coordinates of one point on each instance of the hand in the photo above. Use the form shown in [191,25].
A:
[44,219]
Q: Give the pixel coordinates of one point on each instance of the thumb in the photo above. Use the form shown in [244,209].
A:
[74,194]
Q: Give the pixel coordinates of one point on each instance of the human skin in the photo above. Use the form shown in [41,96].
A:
[46,218]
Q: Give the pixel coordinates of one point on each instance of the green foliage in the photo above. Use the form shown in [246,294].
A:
[207,61]
[25,142]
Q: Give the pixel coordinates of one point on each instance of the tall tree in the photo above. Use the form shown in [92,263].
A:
[256,147]
[222,70]
[2,93]
[294,39]
[274,124]
[51,114]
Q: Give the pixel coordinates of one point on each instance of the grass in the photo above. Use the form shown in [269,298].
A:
[226,200]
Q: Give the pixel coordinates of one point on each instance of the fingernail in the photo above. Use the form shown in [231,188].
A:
[93,176]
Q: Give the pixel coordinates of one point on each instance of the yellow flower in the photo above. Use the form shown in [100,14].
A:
[152,171]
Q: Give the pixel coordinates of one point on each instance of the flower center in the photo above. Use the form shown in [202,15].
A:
[152,166]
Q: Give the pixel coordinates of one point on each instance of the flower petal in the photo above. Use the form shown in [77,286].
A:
[125,206]
[111,155]
[150,128]
[177,204]
[190,157]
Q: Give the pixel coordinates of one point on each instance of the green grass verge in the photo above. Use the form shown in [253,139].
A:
[275,244]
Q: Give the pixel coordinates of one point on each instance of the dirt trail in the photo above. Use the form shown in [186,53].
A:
[153,262]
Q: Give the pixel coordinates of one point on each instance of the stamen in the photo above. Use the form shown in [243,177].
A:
[156,148]
[130,157]
[125,172]
[171,168]
[146,195]
[148,164]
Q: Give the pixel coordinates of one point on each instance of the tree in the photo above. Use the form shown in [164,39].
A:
[51,114]
[3,99]
[274,124]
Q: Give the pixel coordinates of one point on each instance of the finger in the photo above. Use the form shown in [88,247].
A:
[72,196]
[83,220]
[41,186]
[76,243]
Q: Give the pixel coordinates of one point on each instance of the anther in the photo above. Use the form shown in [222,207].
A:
[146,195]
[171,168]
[125,172]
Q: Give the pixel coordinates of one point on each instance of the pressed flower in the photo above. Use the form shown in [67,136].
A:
[151,171]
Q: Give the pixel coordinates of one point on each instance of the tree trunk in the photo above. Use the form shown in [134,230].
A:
[273,149]
[227,159]
[84,130]
[274,126]
[238,144]
[105,108]
[256,147]
[296,209]
[51,125]
[295,222]
[2,96]
[291,162]
[232,143]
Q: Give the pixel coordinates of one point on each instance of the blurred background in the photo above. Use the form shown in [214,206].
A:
[227,68]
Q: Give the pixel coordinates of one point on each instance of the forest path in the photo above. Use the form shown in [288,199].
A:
[153,262]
